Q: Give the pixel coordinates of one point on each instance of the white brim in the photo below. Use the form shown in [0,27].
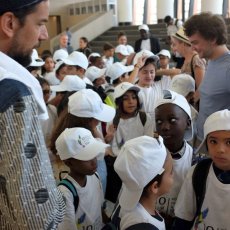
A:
[106,115]
[129,198]
[57,88]
[96,149]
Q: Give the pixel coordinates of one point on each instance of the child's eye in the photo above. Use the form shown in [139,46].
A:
[158,122]
[173,120]
[212,141]
[228,142]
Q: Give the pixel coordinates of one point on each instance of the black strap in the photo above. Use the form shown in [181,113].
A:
[199,179]
[141,226]
[143,117]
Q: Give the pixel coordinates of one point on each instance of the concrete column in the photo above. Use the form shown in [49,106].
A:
[214,6]
[165,7]
[125,11]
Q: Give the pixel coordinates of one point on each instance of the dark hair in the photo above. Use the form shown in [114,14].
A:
[44,59]
[67,120]
[42,81]
[45,53]
[31,68]
[23,12]
[209,26]
[120,34]
[108,46]
[167,19]
[119,103]
[64,102]
[157,178]
[85,40]
[150,61]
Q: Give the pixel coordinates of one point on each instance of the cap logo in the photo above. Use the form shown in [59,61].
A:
[83,140]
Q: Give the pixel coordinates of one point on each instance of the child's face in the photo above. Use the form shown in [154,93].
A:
[46,92]
[218,143]
[49,64]
[171,123]
[100,81]
[147,75]
[62,73]
[129,102]
[164,61]
[109,53]
[83,167]
[167,179]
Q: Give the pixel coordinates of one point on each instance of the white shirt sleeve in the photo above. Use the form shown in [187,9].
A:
[185,207]
[69,220]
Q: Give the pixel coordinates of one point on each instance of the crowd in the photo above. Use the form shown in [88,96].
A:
[120,139]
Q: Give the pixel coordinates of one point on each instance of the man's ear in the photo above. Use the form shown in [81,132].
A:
[9,23]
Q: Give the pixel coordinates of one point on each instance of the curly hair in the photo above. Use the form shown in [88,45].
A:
[209,26]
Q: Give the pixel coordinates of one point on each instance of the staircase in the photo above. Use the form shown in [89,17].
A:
[157,30]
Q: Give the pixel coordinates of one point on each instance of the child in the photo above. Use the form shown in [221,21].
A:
[79,150]
[173,123]
[146,171]
[184,84]
[47,125]
[151,91]
[108,58]
[164,59]
[128,121]
[214,211]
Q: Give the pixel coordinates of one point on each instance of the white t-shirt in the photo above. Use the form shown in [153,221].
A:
[145,44]
[139,215]
[88,214]
[165,204]
[130,128]
[150,96]
[216,204]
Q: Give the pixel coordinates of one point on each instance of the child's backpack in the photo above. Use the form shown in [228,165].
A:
[114,223]
[68,184]
[117,117]
[199,179]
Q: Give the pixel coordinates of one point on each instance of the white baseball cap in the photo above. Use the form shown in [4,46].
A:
[145,53]
[171,97]
[164,53]
[69,83]
[94,73]
[58,65]
[52,79]
[143,27]
[60,55]
[183,84]
[35,60]
[87,103]
[77,59]
[122,88]
[117,69]
[94,55]
[122,49]
[79,143]
[140,160]
[217,121]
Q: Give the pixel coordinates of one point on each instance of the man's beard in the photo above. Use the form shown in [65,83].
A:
[24,60]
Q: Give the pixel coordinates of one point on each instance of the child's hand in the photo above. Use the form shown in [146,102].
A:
[110,133]
[141,61]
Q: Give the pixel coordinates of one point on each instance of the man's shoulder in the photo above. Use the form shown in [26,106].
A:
[11,91]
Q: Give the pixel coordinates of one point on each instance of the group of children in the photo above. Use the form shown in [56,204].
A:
[131,142]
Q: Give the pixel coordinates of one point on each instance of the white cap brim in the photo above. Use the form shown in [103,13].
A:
[106,115]
[129,198]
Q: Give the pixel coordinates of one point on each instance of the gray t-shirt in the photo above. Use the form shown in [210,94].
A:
[214,90]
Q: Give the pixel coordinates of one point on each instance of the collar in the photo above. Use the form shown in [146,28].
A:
[10,69]
[180,153]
